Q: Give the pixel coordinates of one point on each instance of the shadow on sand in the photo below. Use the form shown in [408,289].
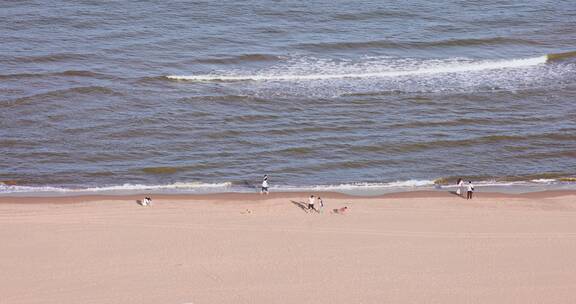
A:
[301,205]
[454,192]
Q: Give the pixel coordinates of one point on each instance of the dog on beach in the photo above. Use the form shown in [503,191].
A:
[147,201]
[340,210]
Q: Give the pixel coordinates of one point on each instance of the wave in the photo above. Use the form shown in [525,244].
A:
[239,59]
[192,187]
[374,14]
[163,170]
[538,180]
[561,56]
[550,178]
[379,44]
[8,188]
[19,76]
[85,90]
[436,67]
[70,73]
[358,186]
[49,58]
[481,140]
[78,73]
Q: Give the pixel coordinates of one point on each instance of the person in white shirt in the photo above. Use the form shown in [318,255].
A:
[470,189]
[460,183]
[311,202]
[264,185]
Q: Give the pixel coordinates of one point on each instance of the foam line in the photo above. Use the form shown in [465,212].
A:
[441,69]
[197,187]
[126,187]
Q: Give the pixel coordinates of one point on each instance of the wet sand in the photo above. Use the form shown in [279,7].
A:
[415,247]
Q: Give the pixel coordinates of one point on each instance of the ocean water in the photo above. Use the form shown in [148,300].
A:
[207,96]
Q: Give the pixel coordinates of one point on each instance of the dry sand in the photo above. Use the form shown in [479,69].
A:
[420,247]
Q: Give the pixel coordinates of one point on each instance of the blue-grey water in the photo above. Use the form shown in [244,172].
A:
[196,95]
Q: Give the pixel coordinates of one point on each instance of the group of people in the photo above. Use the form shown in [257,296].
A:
[469,188]
[315,204]
[311,201]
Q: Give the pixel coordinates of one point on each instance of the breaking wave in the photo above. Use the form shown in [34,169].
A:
[407,185]
[307,76]
[126,188]
[389,69]
[359,188]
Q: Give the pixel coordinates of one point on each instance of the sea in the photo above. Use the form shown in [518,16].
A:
[348,96]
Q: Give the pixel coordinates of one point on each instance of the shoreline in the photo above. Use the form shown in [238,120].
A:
[363,189]
[239,196]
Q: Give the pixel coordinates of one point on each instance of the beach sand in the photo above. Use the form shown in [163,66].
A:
[417,247]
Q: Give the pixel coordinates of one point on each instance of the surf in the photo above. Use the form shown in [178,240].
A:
[7,188]
[433,67]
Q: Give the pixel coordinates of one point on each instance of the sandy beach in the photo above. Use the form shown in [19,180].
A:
[418,247]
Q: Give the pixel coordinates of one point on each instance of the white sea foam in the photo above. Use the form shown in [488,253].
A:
[544,181]
[358,186]
[387,70]
[492,183]
[199,187]
[206,187]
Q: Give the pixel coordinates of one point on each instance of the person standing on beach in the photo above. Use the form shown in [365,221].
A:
[311,202]
[320,205]
[460,183]
[470,190]
[264,185]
